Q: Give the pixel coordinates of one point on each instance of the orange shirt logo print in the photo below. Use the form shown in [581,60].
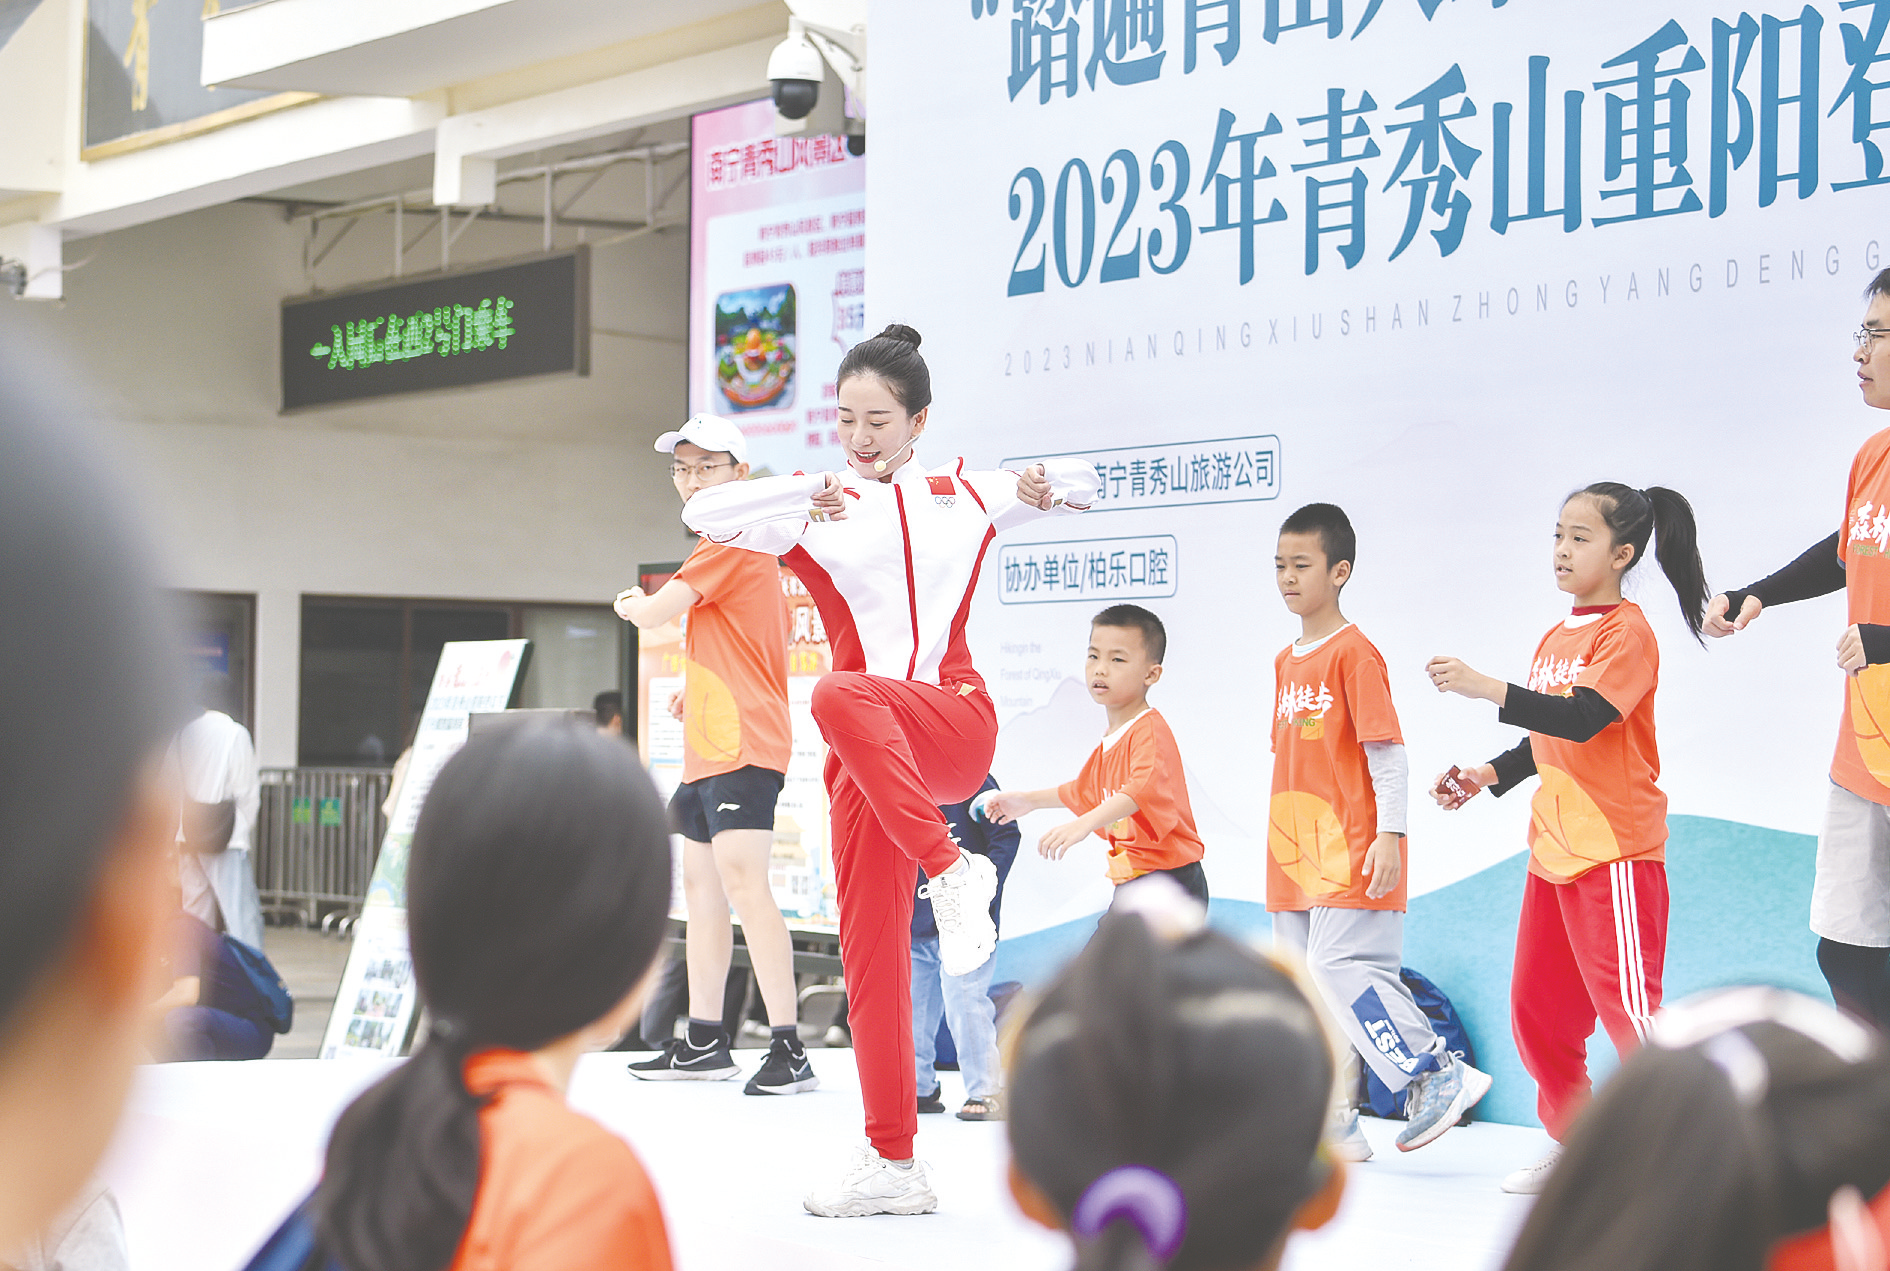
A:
[1870,529]
[1557,675]
[1304,708]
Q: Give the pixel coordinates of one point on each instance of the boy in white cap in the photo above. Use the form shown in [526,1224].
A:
[734,708]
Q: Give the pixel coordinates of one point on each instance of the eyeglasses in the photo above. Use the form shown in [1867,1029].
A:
[702,471]
[1866,336]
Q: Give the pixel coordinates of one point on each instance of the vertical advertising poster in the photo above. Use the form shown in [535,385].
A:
[777,281]
[1439,264]
[378,1001]
[801,870]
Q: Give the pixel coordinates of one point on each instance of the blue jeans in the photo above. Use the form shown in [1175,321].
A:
[201,1032]
[969,1013]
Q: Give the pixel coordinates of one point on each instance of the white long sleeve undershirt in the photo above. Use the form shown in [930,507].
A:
[1391,780]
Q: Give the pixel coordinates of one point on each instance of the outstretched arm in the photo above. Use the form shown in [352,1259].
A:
[1817,572]
[1059,839]
[1578,717]
[768,514]
[646,611]
[1053,486]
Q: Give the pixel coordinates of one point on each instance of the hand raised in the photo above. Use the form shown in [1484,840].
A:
[831,503]
[1033,488]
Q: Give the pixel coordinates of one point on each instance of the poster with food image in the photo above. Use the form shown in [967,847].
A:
[754,349]
[777,282]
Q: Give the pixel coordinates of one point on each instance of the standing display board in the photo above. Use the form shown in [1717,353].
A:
[377,1004]
[777,281]
[801,870]
[1439,264]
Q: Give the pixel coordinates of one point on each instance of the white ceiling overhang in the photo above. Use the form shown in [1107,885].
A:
[371,47]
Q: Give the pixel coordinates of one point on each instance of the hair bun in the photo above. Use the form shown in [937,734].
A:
[901,332]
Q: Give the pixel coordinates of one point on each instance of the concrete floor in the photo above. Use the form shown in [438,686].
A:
[731,1171]
[311,964]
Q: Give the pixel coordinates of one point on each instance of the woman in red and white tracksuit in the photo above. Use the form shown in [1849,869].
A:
[890,551]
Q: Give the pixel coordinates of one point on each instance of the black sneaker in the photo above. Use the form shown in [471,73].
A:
[786,1070]
[680,1061]
[932,1102]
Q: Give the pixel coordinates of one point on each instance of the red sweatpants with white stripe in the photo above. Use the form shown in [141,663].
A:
[1593,947]
[897,750]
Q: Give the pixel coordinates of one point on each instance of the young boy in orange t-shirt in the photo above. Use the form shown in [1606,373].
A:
[1335,837]
[734,707]
[1131,790]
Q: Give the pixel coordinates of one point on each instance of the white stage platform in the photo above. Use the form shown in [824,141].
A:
[211,1156]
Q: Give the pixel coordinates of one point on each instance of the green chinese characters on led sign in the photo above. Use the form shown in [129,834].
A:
[444,331]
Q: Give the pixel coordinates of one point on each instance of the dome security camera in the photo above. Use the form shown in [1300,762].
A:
[795,70]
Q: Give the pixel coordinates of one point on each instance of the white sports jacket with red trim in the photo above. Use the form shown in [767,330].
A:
[894,578]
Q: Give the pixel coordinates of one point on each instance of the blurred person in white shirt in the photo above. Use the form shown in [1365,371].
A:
[218,763]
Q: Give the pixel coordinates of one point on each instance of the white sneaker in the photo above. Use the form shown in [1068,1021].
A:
[874,1185]
[1531,1179]
[961,905]
[1345,1139]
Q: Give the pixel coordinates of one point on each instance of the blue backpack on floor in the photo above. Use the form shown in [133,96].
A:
[1373,1096]
[272,995]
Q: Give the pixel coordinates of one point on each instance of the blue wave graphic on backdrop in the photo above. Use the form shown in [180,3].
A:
[1739,895]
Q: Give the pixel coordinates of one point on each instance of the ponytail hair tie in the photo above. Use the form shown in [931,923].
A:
[1146,1197]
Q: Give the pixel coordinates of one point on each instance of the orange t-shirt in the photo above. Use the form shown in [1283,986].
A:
[557,1191]
[1330,700]
[1862,762]
[1598,802]
[1141,760]
[735,639]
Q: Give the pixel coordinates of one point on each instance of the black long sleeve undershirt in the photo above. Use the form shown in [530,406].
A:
[1578,717]
[1818,572]
[1513,767]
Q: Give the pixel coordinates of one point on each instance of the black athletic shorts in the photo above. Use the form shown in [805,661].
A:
[1192,877]
[738,800]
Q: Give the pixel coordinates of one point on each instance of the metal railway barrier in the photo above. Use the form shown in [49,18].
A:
[317,834]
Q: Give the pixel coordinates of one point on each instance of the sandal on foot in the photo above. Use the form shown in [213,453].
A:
[989,1108]
[932,1102]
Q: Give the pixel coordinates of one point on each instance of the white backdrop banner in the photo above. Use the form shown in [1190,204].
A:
[1439,263]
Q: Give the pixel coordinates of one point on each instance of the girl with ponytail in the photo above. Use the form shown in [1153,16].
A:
[537,889]
[1169,1093]
[1593,932]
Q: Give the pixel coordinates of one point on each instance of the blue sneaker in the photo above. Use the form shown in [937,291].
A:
[1435,1100]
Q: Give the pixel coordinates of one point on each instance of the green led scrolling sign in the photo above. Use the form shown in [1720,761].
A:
[456,330]
[442,332]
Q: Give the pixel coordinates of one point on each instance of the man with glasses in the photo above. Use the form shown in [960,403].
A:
[1850,899]
[734,713]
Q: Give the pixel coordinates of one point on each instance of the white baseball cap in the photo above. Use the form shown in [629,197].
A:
[711,432]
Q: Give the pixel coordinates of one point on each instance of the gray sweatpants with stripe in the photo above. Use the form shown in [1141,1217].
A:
[1355,956]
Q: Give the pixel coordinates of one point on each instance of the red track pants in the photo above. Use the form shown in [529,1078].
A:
[1593,947]
[897,750]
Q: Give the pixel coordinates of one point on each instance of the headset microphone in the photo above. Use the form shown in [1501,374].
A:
[880,465]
